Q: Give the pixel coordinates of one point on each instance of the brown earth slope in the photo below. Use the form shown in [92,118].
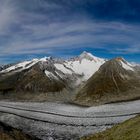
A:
[31,80]
[111,83]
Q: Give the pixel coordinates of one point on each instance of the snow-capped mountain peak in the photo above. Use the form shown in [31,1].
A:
[20,66]
[25,65]
[126,65]
[45,58]
[85,65]
[89,56]
[86,55]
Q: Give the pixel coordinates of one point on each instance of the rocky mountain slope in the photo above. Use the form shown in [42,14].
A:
[48,74]
[1,67]
[32,77]
[116,80]
[84,65]
[94,80]
[10,133]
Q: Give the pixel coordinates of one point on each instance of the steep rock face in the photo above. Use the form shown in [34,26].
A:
[114,81]
[9,133]
[48,74]
[33,79]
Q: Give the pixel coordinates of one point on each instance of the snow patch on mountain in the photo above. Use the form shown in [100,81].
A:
[50,75]
[86,67]
[24,65]
[86,64]
[63,68]
[89,56]
[44,59]
[126,66]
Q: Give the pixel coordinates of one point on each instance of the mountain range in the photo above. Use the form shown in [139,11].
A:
[116,80]
[92,80]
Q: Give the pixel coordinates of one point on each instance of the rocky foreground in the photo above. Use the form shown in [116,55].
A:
[10,133]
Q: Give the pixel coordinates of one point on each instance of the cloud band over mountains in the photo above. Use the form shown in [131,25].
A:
[34,27]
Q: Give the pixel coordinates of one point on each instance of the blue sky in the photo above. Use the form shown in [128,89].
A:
[65,28]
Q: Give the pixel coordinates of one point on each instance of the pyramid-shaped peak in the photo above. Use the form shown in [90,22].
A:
[119,59]
[45,58]
[84,54]
[118,63]
[89,56]
[122,60]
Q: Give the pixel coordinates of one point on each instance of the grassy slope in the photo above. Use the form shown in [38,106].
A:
[129,130]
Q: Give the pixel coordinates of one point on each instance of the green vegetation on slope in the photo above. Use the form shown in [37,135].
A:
[129,130]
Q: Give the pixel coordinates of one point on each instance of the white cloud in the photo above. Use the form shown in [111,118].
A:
[73,33]
[7,15]
[33,36]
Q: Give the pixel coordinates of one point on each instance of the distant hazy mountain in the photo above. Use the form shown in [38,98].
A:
[116,80]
